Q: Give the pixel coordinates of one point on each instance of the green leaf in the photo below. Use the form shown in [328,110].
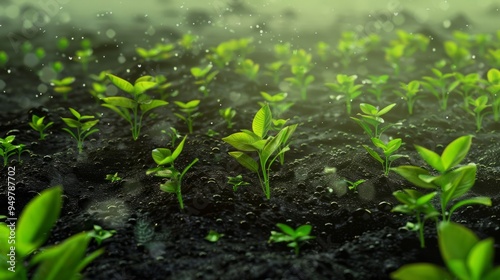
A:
[152,104]
[493,76]
[262,121]
[433,159]
[175,153]
[37,219]
[475,200]
[159,154]
[303,230]
[420,271]
[246,161]
[123,112]
[373,154]
[480,258]
[385,110]
[141,87]
[121,83]
[455,152]
[71,122]
[368,109]
[424,199]
[412,173]
[170,186]
[286,229]
[120,101]
[242,141]
[494,274]
[455,241]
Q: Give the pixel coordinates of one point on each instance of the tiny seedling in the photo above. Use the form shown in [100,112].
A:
[347,89]
[236,182]
[388,149]
[283,52]
[165,158]
[204,77]
[38,125]
[82,126]
[188,41]
[212,133]
[228,114]
[468,85]
[173,134]
[158,53]
[459,56]
[371,121]
[267,147]
[99,234]
[440,86]
[417,204]
[228,51]
[133,109]
[403,48]
[7,149]
[294,238]
[354,48]
[480,105]
[452,180]
[276,102]
[353,186]
[493,87]
[377,85]
[84,57]
[249,69]
[409,94]
[113,177]
[63,86]
[62,261]
[301,80]
[213,236]
[465,255]
[275,70]
[190,112]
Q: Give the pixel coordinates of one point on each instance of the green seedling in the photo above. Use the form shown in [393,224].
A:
[452,181]
[468,85]
[62,44]
[409,93]
[481,42]
[213,236]
[480,105]
[323,51]
[4,58]
[493,87]
[301,80]
[419,205]
[394,56]
[113,177]
[203,77]
[276,102]
[440,86]
[466,258]
[190,112]
[371,121]
[294,238]
[158,53]
[62,261]
[212,133]
[459,56]
[133,109]
[353,49]
[7,149]
[173,134]
[229,51]
[283,52]
[82,126]
[165,158]
[98,91]
[237,182]
[377,85]
[99,234]
[353,186]
[38,125]
[403,48]
[63,86]
[346,88]
[84,57]
[267,147]
[249,69]
[388,149]
[275,70]
[188,41]
[228,114]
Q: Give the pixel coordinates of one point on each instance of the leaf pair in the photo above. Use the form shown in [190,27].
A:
[294,237]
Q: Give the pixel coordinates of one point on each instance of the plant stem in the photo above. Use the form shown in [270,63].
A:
[420,231]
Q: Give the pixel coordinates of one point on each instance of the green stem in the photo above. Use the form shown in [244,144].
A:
[420,231]
[265,176]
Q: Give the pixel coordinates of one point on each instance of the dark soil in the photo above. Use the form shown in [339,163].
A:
[357,235]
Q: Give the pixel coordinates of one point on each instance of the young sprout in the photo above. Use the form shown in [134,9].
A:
[294,237]
[372,120]
[377,85]
[480,105]
[236,182]
[187,41]
[440,86]
[165,158]
[213,236]
[38,125]
[403,48]
[353,48]
[283,52]
[113,177]
[203,78]
[275,70]
[99,234]
[133,109]
[301,79]
[189,109]
[85,55]
[228,114]
[4,58]
[173,134]
[347,89]
[323,51]
[98,91]
[388,150]
[82,126]
[459,56]
[158,53]
[212,133]
[276,102]
[394,55]
[493,87]
[353,186]
[409,94]
[63,86]
[268,148]
[249,69]
[230,50]
[468,85]
[7,149]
